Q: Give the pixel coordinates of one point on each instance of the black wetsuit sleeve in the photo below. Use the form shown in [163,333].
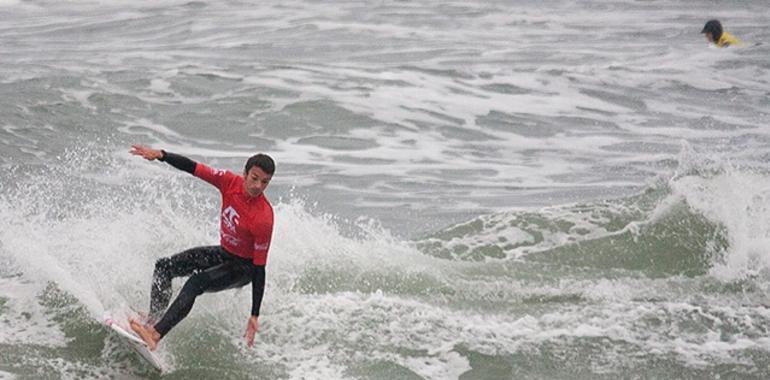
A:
[257,288]
[178,161]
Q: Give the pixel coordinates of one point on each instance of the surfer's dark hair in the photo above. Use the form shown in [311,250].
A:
[261,161]
[715,28]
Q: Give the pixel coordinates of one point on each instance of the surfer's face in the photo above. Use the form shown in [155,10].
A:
[709,37]
[256,181]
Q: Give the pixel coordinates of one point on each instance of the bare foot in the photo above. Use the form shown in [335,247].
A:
[147,333]
[145,319]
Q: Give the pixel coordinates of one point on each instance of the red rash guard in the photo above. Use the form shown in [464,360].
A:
[246,226]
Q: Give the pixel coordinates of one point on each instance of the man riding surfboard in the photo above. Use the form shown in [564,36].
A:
[246,228]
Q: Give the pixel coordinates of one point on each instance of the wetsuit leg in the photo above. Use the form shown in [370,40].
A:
[233,273]
[181,264]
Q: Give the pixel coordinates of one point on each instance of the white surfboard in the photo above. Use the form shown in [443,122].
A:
[136,343]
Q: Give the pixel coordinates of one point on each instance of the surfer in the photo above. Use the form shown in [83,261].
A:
[716,34]
[246,228]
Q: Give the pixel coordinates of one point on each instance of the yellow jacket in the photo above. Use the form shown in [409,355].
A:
[728,39]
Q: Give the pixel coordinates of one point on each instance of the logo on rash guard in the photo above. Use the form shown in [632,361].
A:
[230,218]
[230,239]
[260,247]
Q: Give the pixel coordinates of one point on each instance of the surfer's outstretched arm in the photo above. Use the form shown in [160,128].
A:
[178,161]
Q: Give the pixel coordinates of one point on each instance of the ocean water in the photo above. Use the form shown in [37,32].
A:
[464,190]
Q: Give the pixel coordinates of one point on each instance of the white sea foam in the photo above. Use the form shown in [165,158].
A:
[162,131]
[23,320]
[160,86]
[736,200]
[385,323]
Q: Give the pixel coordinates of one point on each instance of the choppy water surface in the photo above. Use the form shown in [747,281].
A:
[507,189]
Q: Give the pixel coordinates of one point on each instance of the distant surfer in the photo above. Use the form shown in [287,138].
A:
[246,228]
[716,34]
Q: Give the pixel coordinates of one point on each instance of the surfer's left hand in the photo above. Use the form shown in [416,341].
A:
[251,329]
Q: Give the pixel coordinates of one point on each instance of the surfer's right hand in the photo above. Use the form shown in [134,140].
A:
[146,152]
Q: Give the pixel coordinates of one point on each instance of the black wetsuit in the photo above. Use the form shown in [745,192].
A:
[211,269]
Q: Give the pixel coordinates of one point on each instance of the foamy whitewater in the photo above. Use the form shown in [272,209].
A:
[464,190]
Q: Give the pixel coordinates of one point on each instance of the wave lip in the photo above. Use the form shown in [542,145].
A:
[703,223]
